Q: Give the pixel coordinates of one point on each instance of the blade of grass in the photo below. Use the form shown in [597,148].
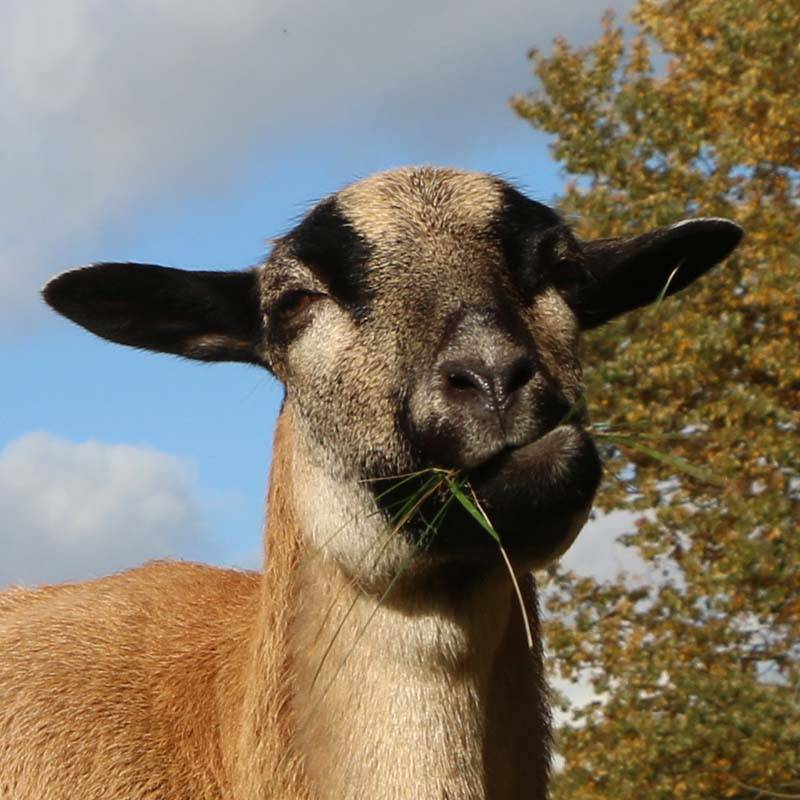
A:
[383,543]
[660,299]
[663,293]
[665,458]
[407,475]
[524,611]
[428,534]
[476,511]
[600,429]
[472,509]
[409,508]
[578,407]
[380,543]
[431,528]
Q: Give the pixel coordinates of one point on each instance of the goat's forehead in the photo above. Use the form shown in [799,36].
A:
[420,200]
[428,219]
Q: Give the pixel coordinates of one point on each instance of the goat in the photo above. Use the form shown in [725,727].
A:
[421,318]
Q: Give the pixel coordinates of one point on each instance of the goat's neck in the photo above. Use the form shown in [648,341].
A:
[424,695]
[432,701]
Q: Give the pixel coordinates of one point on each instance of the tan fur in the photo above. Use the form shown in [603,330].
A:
[186,682]
[420,200]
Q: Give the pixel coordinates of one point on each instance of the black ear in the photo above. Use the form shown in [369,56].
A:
[211,316]
[623,274]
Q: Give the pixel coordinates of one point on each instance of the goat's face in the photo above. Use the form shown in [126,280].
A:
[414,320]
[422,318]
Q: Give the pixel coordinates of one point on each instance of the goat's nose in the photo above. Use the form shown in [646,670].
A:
[490,387]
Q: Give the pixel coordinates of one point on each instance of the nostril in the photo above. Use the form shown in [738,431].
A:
[465,380]
[519,375]
[460,381]
[492,386]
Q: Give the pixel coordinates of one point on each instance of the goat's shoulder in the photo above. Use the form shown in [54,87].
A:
[102,676]
[156,596]
[137,626]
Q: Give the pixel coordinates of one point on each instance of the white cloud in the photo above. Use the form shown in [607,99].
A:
[596,552]
[107,105]
[72,511]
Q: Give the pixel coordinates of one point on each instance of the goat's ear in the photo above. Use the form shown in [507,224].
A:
[210,316]
[623,274]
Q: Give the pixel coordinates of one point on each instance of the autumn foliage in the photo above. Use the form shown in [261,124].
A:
[696,664]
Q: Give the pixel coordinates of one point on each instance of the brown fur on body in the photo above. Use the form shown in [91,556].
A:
[107,687]
[181,681]
[422,318]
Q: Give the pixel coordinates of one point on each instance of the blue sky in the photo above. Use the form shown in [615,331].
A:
[177,134]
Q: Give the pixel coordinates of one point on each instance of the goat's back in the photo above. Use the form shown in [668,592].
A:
[109,689]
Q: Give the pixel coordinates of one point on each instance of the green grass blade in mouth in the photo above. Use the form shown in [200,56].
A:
[409,507]
[574,411]
[472,508]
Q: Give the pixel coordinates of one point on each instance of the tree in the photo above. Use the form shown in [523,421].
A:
[697,113]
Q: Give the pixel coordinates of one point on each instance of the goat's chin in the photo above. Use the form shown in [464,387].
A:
[537,497]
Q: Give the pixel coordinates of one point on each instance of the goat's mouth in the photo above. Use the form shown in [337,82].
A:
[536,495]
[561,467]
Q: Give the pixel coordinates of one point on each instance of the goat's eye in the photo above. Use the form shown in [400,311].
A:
[294,306]
[566,270]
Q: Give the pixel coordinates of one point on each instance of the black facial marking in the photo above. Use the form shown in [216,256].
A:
[327,243]
[525,229]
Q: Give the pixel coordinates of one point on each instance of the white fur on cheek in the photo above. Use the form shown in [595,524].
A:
[323,342]
[342,519]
